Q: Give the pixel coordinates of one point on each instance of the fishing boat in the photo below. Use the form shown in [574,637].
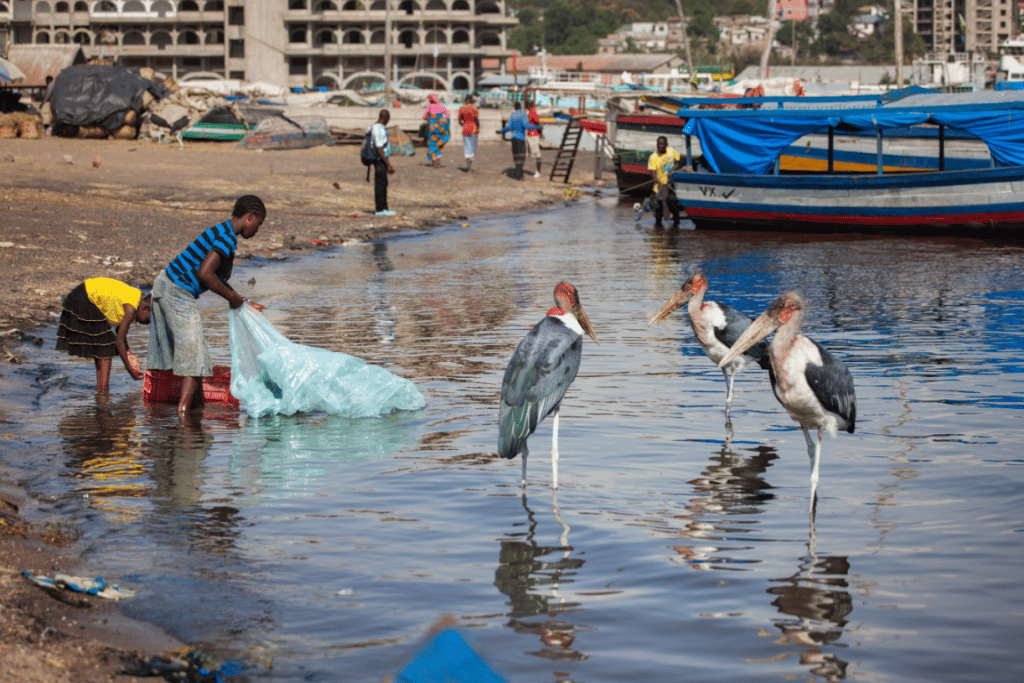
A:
[741,185]
[635,135]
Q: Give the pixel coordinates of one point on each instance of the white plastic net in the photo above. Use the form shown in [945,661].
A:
[272,375]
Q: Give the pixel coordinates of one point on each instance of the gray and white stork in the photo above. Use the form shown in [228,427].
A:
[543,366]
[814,386]
[717,327]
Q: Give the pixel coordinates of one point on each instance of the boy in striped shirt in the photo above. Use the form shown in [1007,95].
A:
[176,341]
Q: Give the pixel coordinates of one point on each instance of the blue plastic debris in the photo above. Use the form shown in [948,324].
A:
[79,584]
[447,658]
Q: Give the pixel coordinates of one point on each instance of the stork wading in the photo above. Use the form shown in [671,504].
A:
[813,386]
[543,366]
[717,327]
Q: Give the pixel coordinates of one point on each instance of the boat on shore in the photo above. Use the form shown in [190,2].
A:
[741,184]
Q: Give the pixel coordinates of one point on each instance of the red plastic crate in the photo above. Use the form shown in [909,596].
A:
[163,386]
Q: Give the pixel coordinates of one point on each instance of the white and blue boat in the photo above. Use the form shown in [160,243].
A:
[738,184]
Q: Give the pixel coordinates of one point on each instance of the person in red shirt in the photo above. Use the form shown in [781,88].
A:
[469,117]
[533,136]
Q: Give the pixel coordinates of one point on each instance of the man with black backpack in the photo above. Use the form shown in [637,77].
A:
[376,152]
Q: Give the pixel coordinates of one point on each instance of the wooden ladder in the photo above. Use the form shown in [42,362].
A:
[566,155]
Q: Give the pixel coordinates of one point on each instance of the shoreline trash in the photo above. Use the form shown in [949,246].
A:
[80,584]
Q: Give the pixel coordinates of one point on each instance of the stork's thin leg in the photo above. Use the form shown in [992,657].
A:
[813,451]
[525,453]
[554,452]
[730,374]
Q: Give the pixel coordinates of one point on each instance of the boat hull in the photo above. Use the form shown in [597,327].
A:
[944,202]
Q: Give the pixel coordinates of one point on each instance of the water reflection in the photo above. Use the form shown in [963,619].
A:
[178,451]
[522,575]
[280,457]
[816,605]
[103,452]
[730,485]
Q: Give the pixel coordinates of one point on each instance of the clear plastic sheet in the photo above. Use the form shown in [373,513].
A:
[272,375]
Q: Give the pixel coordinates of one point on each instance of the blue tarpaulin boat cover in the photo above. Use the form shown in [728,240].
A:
[448,658]
[750,145]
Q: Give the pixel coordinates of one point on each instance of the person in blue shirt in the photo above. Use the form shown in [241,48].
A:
[516,127]
[176,342]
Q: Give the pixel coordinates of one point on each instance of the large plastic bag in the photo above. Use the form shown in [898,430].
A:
[272,375]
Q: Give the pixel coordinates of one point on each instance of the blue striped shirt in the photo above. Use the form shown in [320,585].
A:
[184,269]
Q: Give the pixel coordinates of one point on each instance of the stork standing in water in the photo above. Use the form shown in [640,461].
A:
[543,366]
[717,327]
[813,386]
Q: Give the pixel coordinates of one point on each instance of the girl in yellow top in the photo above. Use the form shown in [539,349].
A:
[85,325]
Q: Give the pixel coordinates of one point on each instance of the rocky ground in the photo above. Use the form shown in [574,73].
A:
[73,209]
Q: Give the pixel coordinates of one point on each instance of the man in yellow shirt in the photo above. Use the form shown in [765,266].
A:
[663,161]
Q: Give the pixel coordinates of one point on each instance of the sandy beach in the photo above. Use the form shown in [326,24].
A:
[73,209]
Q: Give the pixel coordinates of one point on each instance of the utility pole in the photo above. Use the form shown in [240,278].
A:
[898,41]
[686,39]
[768,43]
[387,53]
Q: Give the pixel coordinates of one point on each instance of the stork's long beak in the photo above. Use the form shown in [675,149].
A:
[677,300]
[581,316]
[758,330]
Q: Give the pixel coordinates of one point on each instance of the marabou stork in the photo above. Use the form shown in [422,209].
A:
[813,386]
[543,366]
[717,327]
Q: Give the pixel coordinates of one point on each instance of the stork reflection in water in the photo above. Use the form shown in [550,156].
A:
[813,386]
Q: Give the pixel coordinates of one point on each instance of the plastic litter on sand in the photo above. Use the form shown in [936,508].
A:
[80,584]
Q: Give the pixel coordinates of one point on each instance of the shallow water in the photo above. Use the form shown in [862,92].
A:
[324,548]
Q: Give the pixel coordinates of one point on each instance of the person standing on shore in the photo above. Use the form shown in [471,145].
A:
[438,129]
[382,166]
[664,160]
[469,118]
[176,342]
[533,136]
[516,127]
[89,311]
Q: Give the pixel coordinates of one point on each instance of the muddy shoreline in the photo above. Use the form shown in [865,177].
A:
[73,209]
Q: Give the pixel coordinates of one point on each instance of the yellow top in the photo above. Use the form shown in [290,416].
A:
[111,295]
[662,163]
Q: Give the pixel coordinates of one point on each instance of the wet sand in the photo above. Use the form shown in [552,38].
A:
[74,209]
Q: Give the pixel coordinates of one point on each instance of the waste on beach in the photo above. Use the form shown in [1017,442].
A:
[79,584]
[446,657]
[180,667]
[272,375]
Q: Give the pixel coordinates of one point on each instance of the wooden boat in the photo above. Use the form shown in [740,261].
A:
[635,136]
[745,186]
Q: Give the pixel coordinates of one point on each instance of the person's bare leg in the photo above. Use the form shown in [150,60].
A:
[102,375]
[189,386]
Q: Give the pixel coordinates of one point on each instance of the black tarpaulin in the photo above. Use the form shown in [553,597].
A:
[99,95]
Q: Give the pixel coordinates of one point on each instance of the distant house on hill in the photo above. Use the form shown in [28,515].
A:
[871,19]
[741,32]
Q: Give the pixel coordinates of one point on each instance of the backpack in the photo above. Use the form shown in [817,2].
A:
[368,154]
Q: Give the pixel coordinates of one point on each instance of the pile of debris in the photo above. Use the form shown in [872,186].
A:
[20,124]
